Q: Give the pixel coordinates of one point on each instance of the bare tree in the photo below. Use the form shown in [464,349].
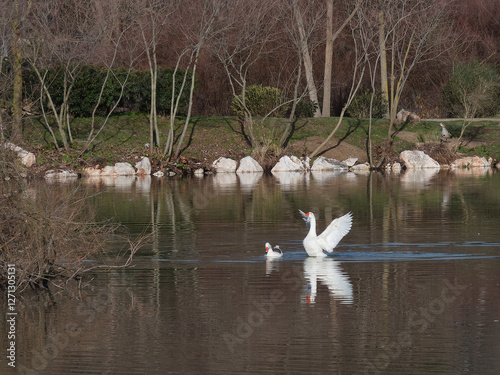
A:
[359,66]
[330,39]
[21,11]
[56,44]
[154,17]
[249,30]
[368,33]
[294,35]
[205,27]
[305,38]
[384,86]
[414,33]
[5,76]
[117,39]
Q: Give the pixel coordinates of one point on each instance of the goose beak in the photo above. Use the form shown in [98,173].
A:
[267,249]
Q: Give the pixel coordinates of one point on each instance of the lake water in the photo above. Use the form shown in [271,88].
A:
[414,288]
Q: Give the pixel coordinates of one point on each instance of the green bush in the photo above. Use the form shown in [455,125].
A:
[360,106]
[89,81]
[260,101]
[472,91]
[305,108]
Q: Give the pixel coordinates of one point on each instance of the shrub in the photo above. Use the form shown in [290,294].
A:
[87,87]
[305,108]
[260,101]
[360,106]
[472,91]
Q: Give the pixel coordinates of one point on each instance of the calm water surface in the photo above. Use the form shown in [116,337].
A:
[414,288]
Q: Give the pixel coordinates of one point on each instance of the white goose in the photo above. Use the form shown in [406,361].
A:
[270,253]
[317,245]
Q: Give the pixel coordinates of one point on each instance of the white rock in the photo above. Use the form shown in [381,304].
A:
[92,172]
[119,169]
[108,170]
[249,165]
[361,167]
[159,174]
[27,158]
[471,162]
[350,162]
[296,160]
[413,118]
[323,164]
[199,172]
[59,175]
[418,160]
[285,164]
[402,116]
[304,163]
[143,166]
[225,165]
[124,169]
[396,167]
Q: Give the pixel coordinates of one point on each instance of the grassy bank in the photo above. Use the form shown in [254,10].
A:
[125,138]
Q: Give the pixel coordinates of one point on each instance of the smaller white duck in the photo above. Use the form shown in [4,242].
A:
[273,253]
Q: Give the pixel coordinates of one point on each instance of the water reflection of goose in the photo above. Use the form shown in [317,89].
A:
[317,245]
[328,272]
[273,253]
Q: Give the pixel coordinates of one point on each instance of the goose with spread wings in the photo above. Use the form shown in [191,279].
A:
[319,246]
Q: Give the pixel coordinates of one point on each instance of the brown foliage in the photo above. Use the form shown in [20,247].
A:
[441,152]
[47,235]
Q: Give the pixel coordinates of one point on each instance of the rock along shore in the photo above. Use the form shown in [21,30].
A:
[411,160]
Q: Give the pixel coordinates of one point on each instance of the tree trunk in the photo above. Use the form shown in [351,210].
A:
[287,132]
[327,79]
[190,105]
[154,91]
[17,96]
[311,86]
[152,112]
[174,104]
[383,62]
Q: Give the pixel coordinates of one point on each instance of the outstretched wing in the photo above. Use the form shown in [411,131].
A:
[307,219]
[337,229]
